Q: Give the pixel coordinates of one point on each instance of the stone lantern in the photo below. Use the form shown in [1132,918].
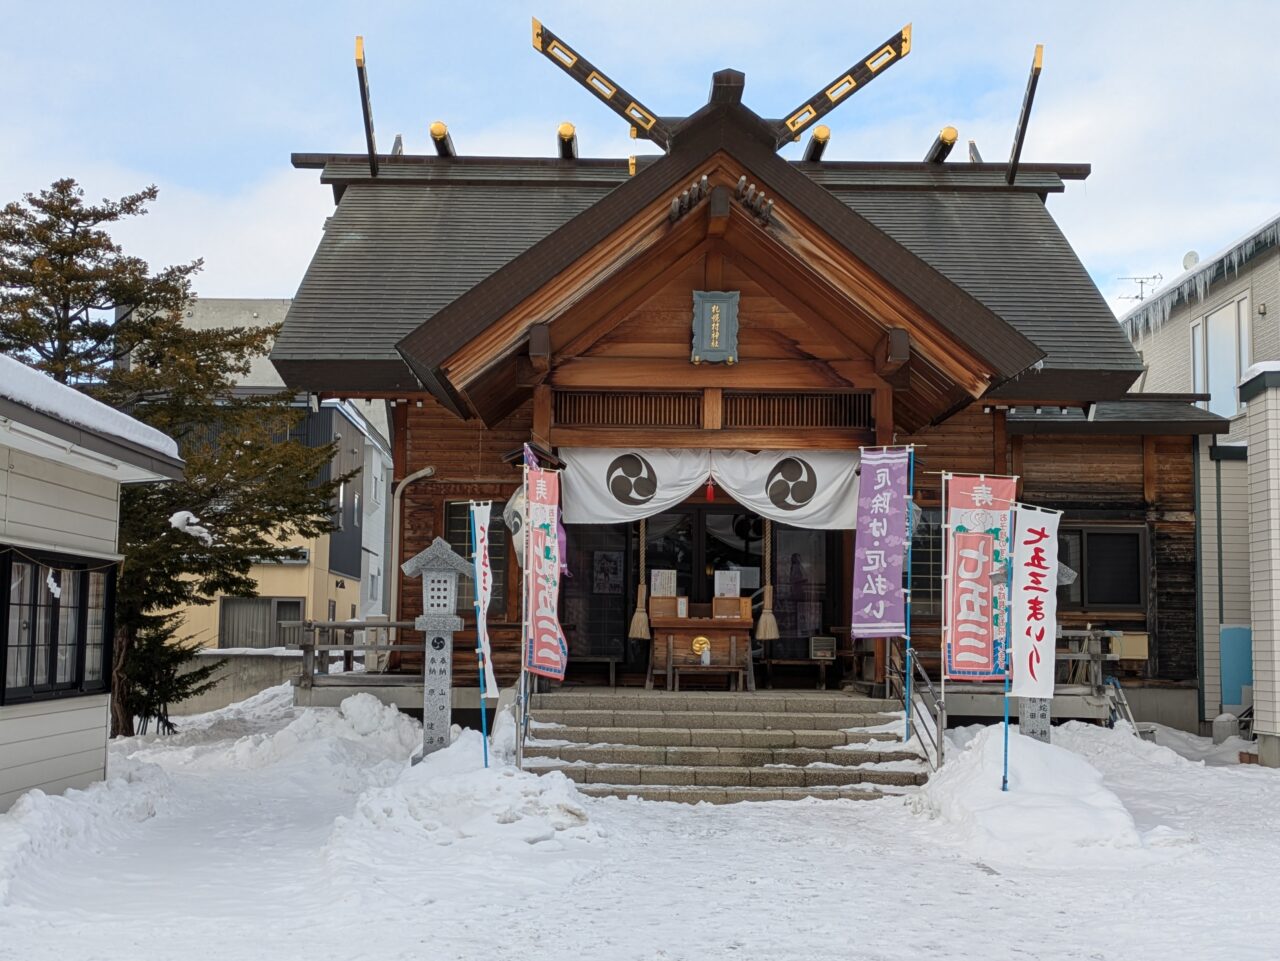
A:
[439,567]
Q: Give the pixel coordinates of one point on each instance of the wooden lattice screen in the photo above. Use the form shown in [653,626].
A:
[598,408]
[778,409]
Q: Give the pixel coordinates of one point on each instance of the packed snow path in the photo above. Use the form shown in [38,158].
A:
[261,832]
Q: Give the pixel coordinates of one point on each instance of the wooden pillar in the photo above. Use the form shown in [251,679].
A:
[399,441]
[999,443]
[882,413]
[712,408]
[1149,470]
[542,415]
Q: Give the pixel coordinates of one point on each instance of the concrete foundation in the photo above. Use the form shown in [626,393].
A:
[239,676]
[1269,750]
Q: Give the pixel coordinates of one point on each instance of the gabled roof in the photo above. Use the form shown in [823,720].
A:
[418,243]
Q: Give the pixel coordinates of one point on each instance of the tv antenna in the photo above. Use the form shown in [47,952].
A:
[1143,283]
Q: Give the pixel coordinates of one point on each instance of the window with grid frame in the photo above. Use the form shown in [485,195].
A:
[1110,562]
[56,626]
[457,527]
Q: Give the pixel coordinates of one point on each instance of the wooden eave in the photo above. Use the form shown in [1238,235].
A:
[638,208]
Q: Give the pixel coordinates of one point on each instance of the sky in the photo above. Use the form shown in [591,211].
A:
[1173,103]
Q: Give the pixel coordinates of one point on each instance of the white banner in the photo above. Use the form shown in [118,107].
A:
[610,485]
[1034,601]
[480,520]
[814,489]
[808,488]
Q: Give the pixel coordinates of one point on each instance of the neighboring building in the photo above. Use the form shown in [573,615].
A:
[1210,331]
[499,301]
[341,575]
[63,459]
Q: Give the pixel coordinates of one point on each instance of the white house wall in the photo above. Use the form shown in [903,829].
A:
[50,504]
[52,745]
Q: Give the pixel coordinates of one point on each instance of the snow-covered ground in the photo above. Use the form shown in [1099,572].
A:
[261,832]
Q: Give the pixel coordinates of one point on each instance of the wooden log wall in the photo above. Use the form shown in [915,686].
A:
[1124,479]
[469,465]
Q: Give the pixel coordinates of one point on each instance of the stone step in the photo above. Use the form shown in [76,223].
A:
[663,775]
[727,795]
[813,702]
[690,719]
[710,736]
[705,756]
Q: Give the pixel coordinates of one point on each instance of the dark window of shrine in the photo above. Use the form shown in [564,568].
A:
[926,563]
[1110,566]
[457,531]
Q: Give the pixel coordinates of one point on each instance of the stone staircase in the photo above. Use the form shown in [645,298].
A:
[722,747]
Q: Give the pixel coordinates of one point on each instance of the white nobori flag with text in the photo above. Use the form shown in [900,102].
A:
[1033,602]
[481,516]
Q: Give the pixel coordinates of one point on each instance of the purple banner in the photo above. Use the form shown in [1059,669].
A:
[880,544]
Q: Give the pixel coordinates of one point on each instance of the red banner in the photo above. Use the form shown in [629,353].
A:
[979,520]
[547,652]
[971,649]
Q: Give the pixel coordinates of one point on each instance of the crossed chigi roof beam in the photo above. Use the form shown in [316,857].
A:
[646,124]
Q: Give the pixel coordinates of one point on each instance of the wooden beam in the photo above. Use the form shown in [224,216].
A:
[629,373]
[712,408]
[1149,470]
[753,438]
[366,108]
[1016,459]
[893,351]
[835,93]
[542,415]
[399,443]
[540,349]
[1024,115]
[882,414]
[644,122]
[999,443]
[613,300]
[718,211]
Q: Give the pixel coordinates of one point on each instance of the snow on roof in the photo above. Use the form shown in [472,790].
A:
[1152,314]
[31,388]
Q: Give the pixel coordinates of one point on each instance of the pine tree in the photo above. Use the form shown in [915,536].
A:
[73,304]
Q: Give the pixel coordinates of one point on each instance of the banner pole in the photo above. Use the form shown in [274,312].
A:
[522,686]
[484,721]
[946,611]
[1008,639]
[911,497]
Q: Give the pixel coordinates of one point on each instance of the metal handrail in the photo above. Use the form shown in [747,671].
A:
[907,676]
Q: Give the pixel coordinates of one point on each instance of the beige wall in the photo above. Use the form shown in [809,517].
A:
[1167,352]
[313,582]
[52,505]
[1224,523]
[52,745]
[1264,557]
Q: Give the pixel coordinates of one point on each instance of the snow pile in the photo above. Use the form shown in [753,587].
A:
[28,387]
[363,741]
[362,725]
[450,798]
[1055,809]
[38,825]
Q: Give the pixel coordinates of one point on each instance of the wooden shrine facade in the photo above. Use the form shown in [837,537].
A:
[494,302]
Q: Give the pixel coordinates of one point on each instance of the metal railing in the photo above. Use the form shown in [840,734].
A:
[925,712]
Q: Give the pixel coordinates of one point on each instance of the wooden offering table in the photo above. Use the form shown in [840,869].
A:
[673,651]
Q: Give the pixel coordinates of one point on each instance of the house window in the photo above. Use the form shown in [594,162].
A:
[1110,566]
[457,524]
[374,577]
[255,621]
[57,624]
[355,508]
[342,504]
[1221,351]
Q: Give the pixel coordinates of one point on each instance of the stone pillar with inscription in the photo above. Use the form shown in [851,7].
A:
[439,567]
